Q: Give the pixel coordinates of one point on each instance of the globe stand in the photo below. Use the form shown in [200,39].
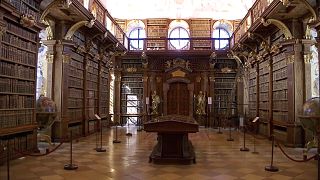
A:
[70,166]
[316,123]
[272,168]
[116,140]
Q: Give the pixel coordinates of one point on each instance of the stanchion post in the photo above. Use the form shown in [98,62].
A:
[271,167]
[254,138]
[230,136]
[219,118]
[70,166]
[116,140]
[244,148]
[8,160]
[100,149]
[128,133]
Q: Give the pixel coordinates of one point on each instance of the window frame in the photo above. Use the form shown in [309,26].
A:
[171,39]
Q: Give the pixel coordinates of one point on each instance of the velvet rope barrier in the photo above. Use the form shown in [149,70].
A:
[292,159]
[47,153]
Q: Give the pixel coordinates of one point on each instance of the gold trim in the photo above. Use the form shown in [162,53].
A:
[3,30]
[66,58]
[49,58]
[286,31]
[290,59]
[307,58]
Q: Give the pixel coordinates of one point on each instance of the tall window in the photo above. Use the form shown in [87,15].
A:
[221,38]
[137,34]
[178,33]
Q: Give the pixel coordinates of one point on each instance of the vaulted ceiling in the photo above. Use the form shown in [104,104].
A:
[178,9]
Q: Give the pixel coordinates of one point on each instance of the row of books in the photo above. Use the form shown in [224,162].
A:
[75,93]
[222,91]
[17,41]
[263,105]
[222,98]
[26,9]
[76,72]
[263,114]
[93,64]
[15,70]
[279,57]
[252,97]
[264,96]
[252,74]
[252,90]
[264,87]
[280,116]
[24,142]
[16,86]
[228,80]
[75,114]
[279,65]
[103,111]
[92,70]
[75,103]
[16,101]
[16,55]
[9,119]
[78,63]
[92,85]
[253,82]
[280,85]
[224,85]
[264,78]
[281,74]
[92,94]
[280,95]
[104,83]
[74,82]
[280,105]
[92,77]
[129,85]
[21,31]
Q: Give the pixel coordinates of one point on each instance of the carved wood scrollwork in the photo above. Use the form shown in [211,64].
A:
[286,31]
[76,26]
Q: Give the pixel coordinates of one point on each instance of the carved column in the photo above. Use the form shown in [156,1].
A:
[307,56]
[191,89]
[146,102]
[117,95]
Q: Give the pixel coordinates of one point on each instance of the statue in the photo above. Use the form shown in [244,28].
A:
[155,102]
[200,103]
[201,99]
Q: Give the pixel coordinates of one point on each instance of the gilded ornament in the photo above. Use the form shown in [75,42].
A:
[307,58]
[49,58]
[3,30]
[290,59]
[66,58]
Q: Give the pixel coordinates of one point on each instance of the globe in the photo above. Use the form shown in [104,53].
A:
[45,104]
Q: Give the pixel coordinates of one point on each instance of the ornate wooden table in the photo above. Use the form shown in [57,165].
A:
[173,144]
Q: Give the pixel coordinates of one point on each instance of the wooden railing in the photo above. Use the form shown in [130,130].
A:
[251,17]
[104,18]
[164,44]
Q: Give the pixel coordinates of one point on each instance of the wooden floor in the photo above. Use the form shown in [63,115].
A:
[216,159]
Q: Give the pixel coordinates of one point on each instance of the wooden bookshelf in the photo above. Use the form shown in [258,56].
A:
[200,28]
[280,89]
[157,28]
[252,93]
[104,91]
[225,88]
[18,62]
[264,90]
[131,90]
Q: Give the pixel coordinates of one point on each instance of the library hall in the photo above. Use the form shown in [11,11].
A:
[159,89]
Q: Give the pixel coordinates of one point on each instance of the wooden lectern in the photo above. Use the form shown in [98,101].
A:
[173,144]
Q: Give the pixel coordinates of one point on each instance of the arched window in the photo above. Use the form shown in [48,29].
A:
[179,35]
[175,35]
[137,35]
[221,38]
[222,30]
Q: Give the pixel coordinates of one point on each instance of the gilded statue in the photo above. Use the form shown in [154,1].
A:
[200,102]
[155,102]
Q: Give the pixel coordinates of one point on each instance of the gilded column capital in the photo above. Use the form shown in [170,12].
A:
[290,59]
[307,58]
[66,58]
[49,58]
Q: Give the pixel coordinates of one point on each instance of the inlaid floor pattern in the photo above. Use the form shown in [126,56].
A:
[216,158]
